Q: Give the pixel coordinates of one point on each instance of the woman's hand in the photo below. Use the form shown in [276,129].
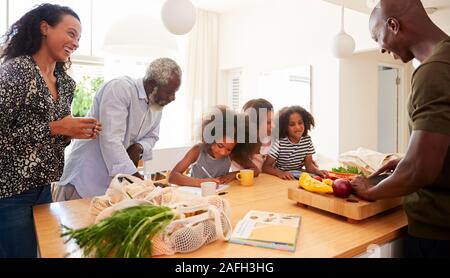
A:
[286,176]
[76,128]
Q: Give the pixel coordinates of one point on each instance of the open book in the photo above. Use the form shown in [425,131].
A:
[267,229]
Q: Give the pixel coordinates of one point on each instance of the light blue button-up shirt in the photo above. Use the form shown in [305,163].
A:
[121,106]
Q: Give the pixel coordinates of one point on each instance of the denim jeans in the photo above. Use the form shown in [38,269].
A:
[17,233]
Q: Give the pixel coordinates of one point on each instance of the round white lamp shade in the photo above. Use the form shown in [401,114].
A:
[139,36]
[178,16]
[343,45]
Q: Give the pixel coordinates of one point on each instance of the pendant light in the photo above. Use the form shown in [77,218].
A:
[343,44]
[178,16]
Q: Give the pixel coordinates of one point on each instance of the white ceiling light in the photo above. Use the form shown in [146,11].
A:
[343,44]
[178,16]
[139,36]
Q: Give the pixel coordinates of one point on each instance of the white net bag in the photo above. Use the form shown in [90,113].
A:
[200,221]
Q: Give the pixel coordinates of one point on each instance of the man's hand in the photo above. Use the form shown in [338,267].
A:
[134,152]
[390,166]
[137,175]
[361,187]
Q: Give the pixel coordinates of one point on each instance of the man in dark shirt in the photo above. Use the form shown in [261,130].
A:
[403,29]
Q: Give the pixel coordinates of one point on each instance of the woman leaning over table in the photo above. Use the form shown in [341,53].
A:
[35,121]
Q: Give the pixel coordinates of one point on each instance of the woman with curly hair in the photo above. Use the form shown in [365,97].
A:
[36,125]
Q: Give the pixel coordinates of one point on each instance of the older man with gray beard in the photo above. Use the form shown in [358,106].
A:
[130,111]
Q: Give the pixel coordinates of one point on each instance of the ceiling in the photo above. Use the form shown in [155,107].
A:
[361,6]
[223,6]
[441,14]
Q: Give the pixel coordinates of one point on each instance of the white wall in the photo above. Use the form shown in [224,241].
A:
[358,100]
[287,33]
[442,19]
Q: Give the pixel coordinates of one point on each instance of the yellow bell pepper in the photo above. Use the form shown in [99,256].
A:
[328,182]
[308,183]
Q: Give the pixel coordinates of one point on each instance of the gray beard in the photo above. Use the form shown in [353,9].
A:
[154,104]
[156,107]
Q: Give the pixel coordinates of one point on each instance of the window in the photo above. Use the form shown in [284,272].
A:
[91,61]
[286,87]
[3,17]
[89,75]
[235,88]
[83,9]
[86,67]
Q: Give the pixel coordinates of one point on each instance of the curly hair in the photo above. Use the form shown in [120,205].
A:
[258,104]
[286,112]
[237,121]
[24,36]
[160,71]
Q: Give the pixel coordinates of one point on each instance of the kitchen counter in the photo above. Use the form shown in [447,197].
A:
[322,234]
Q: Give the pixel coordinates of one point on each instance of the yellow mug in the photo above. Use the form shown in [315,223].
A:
[245,177]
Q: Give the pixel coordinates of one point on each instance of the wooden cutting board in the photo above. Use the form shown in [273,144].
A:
[353,208]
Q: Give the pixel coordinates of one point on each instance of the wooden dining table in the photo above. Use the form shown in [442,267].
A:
[322,234]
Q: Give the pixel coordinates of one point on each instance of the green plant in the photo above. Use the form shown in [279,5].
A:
[84,95]
[125,234]
[347,170]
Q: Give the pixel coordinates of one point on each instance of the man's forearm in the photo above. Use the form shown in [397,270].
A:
[403,181]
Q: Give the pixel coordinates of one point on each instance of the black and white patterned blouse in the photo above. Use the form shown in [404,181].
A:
[29,155]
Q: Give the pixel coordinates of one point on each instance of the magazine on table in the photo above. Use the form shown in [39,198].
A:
[268,230]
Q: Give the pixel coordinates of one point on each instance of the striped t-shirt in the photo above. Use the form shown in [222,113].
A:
[289,156]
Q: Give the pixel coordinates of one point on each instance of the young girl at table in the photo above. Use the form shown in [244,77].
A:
[294,148]
[210,160]
[260,113]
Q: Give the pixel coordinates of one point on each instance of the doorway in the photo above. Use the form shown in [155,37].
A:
[388,109]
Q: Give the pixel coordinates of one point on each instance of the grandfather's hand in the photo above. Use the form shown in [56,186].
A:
[361,187]
[134,152]
[138,175]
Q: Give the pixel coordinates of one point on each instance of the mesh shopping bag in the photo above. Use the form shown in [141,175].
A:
[200,220]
